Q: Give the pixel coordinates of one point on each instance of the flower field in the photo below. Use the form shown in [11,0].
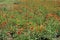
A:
[29,19]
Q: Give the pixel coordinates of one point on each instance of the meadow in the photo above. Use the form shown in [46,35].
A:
[29,20]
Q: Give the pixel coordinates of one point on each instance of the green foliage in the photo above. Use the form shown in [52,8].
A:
[26,24]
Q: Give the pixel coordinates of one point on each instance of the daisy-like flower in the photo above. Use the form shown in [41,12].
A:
[19,32]
[3,23]
[31,28]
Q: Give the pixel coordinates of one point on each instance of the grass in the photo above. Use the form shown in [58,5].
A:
[29,20]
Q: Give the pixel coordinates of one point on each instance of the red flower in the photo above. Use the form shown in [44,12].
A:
[4,23]
[30,17]
[19,32]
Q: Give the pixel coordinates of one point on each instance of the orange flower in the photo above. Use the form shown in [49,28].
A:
[30,17]
[12,16]
[18,32]
[31,28]
[50,14]
[31,9]
[4,23]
